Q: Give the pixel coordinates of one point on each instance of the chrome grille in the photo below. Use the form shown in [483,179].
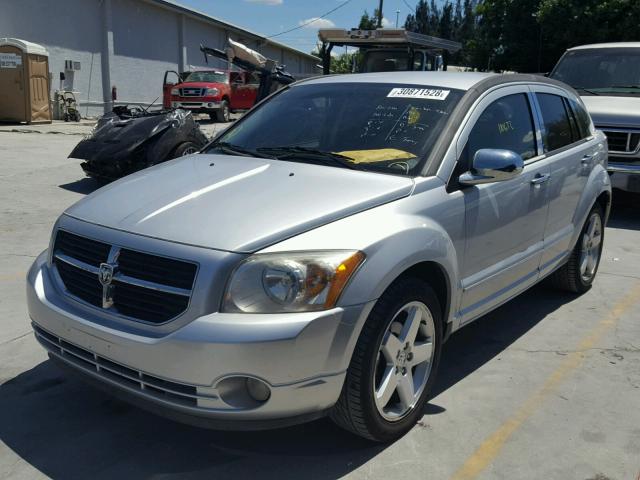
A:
[174,392]
[191,92]
[143,287]
[623,141]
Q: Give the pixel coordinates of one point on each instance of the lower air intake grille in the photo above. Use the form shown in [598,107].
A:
[177,393]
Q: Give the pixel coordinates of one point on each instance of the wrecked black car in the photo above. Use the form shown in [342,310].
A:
[130,139]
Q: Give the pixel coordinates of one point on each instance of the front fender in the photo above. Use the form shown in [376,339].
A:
[392,240]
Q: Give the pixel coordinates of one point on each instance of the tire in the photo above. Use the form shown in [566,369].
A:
[76,116]
[357,410]
[223,114]
[573,276]
[186,148]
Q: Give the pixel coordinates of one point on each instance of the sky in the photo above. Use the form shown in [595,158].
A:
[269,17]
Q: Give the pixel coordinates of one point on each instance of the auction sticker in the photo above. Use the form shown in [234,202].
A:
[423,93]
[10,60]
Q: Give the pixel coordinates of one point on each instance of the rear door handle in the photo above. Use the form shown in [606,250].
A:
[540,179]
[586,160]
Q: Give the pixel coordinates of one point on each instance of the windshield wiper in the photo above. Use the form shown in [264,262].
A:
[331,158]
[233,149]
[633,87]
[582,89]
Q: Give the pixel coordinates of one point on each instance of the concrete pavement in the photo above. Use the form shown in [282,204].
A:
[547,387]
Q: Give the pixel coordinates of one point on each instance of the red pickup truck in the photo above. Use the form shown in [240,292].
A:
[215,92]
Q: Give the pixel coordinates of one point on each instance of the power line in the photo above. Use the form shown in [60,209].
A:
[413,9]
[311,21]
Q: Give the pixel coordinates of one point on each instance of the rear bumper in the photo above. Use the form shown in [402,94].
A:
[190,374]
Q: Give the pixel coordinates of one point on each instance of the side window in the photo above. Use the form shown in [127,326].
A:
[505,124]
[557,126]
[582,118]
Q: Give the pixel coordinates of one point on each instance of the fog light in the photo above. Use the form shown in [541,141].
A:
[258,390]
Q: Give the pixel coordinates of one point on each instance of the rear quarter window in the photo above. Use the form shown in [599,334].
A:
[582,118]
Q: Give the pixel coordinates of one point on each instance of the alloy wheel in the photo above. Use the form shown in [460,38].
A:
[591,246]
[405,358]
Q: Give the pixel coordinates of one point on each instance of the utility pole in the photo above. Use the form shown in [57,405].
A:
[380,14]
[397,17]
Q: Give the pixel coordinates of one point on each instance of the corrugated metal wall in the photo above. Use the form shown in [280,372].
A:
[146,42]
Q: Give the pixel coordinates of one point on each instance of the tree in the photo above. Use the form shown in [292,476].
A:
[369,22]
[567,23]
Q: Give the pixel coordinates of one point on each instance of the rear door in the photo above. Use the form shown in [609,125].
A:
[570,146]
[505,220]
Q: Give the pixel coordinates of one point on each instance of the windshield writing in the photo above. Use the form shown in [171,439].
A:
[367,124]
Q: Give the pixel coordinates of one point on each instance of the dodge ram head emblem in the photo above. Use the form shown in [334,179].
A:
[105,276]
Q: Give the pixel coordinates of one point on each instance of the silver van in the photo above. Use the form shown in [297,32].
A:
[313,259]
[607,76]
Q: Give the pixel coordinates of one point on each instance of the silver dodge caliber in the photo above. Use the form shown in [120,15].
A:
[313,258]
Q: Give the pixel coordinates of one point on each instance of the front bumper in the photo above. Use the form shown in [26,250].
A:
[197,105]
[625,176]
[302,358]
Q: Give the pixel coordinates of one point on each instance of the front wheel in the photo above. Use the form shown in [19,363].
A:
[224,113]
[579,272]
[394,363]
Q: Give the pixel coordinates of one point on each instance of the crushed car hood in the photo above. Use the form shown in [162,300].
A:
[239,204]
[613,111]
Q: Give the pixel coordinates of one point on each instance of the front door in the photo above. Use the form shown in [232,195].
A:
[13,97]
[171,78]
[504,220]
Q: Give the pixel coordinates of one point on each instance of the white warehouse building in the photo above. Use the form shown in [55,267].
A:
[129,44]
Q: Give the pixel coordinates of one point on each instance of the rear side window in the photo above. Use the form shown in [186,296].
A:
[557,126]
[505,124]
[582,118]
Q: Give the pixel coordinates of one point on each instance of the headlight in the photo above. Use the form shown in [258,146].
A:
[211,92]
[290,282]
[175,91]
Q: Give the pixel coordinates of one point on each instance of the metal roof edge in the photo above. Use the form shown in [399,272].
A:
[172,5]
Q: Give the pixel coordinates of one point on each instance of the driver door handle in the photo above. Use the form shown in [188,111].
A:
[539,179]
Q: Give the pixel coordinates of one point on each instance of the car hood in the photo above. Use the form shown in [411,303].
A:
[613,111]
[198,84]
[239,204]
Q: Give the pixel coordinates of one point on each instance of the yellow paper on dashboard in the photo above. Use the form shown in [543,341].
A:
[377,155]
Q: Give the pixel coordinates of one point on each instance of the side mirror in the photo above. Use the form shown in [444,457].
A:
[493,165]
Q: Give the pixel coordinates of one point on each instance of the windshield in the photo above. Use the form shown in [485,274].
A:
[209,77]
[386,61]
[387,128]
[610,71]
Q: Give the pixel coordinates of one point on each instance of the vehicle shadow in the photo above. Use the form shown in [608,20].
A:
[84,185]
[66,429]
[624,211]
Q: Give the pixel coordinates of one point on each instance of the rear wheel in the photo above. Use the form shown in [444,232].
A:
[394,363]
[224,113]
[578,273]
